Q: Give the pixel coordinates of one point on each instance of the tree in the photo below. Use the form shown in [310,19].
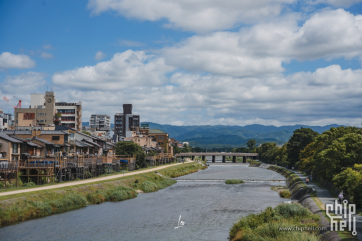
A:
[300,140]
[350,181]
[87,133]
[130,148]
[251,144]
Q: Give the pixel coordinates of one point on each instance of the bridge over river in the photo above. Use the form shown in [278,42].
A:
[214,154]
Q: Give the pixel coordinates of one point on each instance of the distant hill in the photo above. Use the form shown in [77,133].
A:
[230,136]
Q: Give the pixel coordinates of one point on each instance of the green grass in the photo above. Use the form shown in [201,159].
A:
[234,181]
[182,170]
[24,186]
[265,225]
[24,206]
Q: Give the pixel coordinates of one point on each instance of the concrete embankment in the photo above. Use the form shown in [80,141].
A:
[301,193]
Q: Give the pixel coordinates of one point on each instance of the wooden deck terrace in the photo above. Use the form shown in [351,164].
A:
[7,167]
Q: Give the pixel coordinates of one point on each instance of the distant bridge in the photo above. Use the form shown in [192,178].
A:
[214,154]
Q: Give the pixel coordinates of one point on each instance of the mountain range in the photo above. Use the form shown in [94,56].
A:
[219,136]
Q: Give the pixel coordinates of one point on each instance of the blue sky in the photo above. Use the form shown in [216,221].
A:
[185,63]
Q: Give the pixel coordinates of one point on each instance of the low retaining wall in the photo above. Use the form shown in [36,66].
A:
[302,193]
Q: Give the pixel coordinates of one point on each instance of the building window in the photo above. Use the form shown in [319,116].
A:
[55,138]
[15,147]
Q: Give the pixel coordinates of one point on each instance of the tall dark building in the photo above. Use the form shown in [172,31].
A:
[126,121]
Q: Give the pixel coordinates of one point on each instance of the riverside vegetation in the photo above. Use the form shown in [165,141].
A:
[268,224]
[43,203]
[234,181]
[332,157]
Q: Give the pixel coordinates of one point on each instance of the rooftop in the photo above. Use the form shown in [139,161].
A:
[156,131]
[8,138]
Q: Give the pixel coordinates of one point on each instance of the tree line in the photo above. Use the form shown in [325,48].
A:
[334,156]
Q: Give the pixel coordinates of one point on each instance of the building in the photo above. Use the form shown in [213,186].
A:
[162,139]
[126,122]
[71,114]
[51,141]
[100,124]
[9,148]
[37,114]
[42,112]
[6,121]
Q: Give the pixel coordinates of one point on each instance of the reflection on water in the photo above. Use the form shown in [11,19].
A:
[208,209]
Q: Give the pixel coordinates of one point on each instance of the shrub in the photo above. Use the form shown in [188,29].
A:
[234,181]
[285,194]
[29,184]
[96,197]
[265,225]
[121,193]
[147,186]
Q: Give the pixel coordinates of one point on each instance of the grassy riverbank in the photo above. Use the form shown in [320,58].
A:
[273,224]
[21,207]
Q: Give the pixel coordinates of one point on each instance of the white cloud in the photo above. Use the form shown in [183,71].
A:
[199,16]
[46,55]
[124,70]
[129,43]
[328,95]
[20,61]
[99,55]
[261,49]
[22,85]
[47,46]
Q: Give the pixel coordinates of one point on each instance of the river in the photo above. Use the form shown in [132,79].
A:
[207,207]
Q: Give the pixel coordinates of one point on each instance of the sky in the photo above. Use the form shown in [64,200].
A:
[188,62]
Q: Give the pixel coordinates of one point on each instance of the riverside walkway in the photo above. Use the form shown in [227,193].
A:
[326,198]
[74,183]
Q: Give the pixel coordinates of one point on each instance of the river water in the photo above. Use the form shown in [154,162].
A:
[207,208]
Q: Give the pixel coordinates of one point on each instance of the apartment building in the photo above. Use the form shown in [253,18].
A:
[126,122]
[42,111]
[162,139]
[71,114]
[6,120]
[100,123]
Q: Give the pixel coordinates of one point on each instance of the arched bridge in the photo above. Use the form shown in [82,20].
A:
[214,154]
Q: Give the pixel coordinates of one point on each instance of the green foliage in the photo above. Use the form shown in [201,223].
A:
[234,181]
[350,180]
[87,133]
[130,148]
[241,150]
[301,139]
[251,144]
[265,225]
[149,187]
[182,170]
[285,194]
[96,197]
[29,184]
[270,153]
[35,209]
[121,193]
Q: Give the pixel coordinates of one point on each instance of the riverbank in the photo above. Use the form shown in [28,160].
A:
[306,196]
[266,225]
[42,203]
[13,191]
